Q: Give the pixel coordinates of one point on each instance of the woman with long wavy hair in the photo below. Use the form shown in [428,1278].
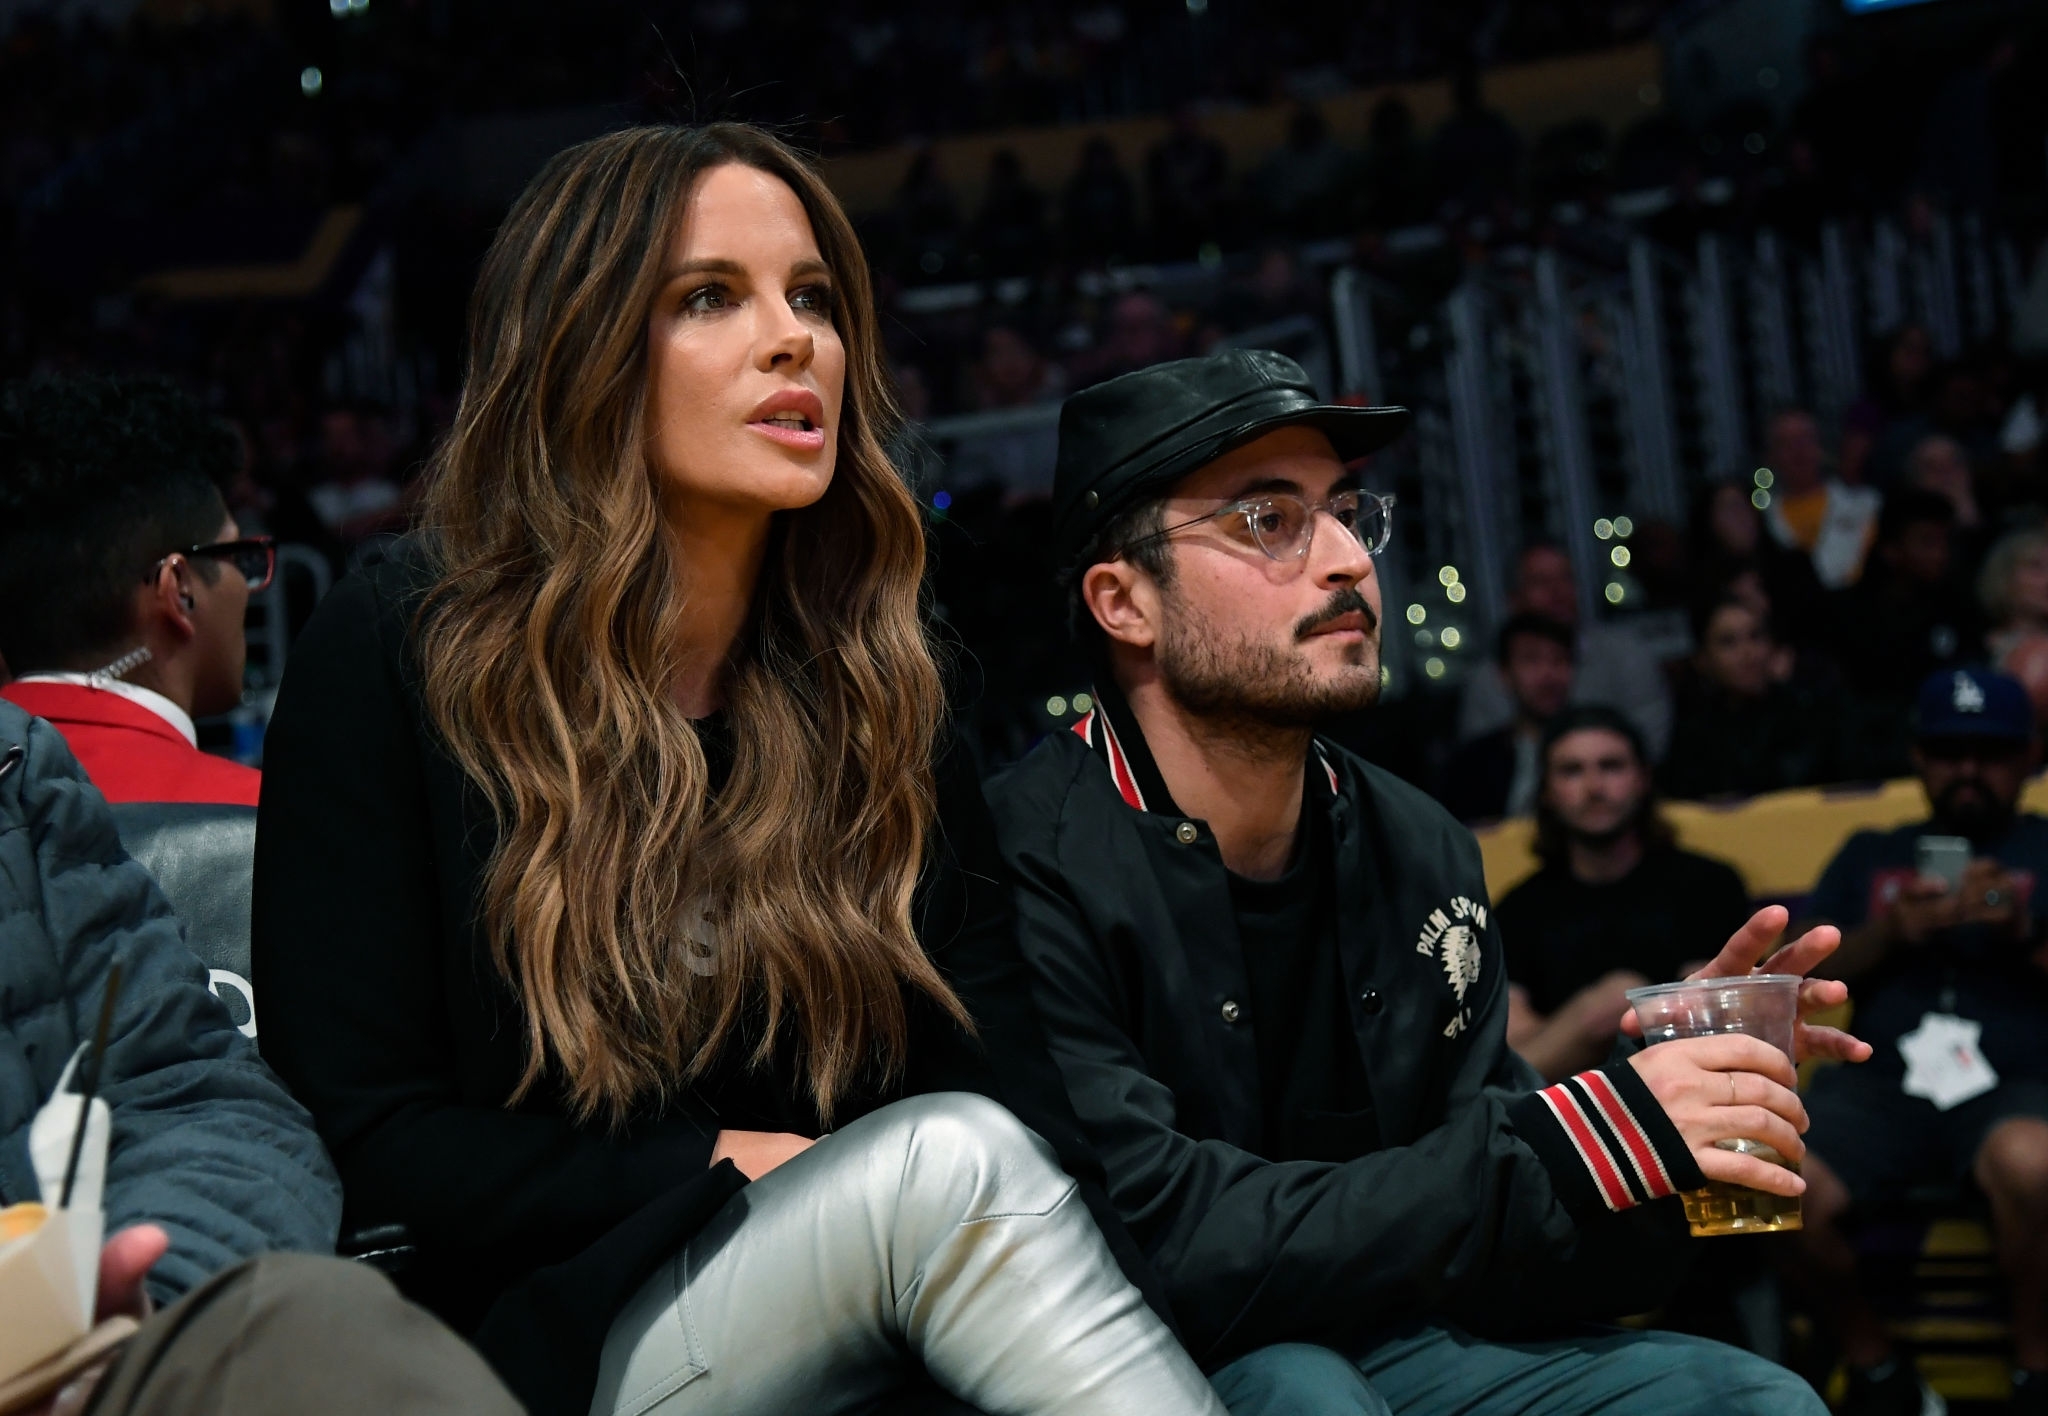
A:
[609,856]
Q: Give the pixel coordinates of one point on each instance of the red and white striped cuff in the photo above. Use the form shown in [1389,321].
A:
[1606,1140]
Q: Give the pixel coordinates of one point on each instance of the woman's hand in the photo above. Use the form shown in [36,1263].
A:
[1804,954]
[1725,1088]
[758,1152]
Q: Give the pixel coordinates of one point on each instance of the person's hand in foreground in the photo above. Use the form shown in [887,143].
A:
[1744,954]
[125,1261]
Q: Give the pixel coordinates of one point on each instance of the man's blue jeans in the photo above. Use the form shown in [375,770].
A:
[1438,1371]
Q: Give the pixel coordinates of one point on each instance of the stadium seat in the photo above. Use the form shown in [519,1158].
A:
[202,857]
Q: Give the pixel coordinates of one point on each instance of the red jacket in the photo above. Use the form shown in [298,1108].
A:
[129,752]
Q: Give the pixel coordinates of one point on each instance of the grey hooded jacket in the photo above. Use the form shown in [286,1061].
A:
[206,1142]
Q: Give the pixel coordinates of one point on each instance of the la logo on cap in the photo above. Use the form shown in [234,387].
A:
[1969,698]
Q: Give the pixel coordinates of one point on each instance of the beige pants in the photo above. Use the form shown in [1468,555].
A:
[938,1231]
[296,1335]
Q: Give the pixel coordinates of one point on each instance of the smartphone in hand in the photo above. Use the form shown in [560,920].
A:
[1943,858]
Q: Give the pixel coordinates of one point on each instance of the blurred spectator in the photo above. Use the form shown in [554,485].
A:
[1098,213]
[1010,373]
[356,498]
[1938,464]
[1911,614]
[1141,333]
[928,218]
[125,581]
[2020,436]
[2013,589]
[1395,179]
[1943,948]
[1187,177]
[1729,539]
[1830,521]
[1276,289]
[1615,667]
[1498,774]
[1897,382]
[1739,730]
[1301,187]
[1009,235]
[1476,150]
[1616,904]
[1958,143]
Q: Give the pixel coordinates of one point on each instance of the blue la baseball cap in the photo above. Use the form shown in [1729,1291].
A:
[1979,703]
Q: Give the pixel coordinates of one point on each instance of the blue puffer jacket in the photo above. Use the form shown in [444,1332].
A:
[207,1142]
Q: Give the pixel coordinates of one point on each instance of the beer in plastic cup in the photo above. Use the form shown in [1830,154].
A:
[1764,1006]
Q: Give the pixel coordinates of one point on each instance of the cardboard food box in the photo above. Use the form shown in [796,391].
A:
[48,1282]
[50,1252]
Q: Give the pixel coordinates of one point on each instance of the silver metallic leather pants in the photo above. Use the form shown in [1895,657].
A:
[938,1229]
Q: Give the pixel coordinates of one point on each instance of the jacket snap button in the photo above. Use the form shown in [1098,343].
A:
[1185,833]
[1231,1012]
[1371,1001]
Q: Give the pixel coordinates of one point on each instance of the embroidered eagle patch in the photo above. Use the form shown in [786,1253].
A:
[1461,958]
[1451,936]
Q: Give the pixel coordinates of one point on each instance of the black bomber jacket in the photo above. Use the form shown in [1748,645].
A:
[1489,1203]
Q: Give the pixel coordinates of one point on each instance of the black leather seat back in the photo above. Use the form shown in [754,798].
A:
[203,858]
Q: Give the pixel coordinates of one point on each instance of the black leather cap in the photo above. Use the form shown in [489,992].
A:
[1142,432]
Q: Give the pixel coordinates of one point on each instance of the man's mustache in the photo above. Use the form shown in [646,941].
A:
[1344,602]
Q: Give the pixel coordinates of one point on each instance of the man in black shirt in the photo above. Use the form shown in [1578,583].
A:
[1270,972]
[1616,904]
[1498,773]
[1311,1083]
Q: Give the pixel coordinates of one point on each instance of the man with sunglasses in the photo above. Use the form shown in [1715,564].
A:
[1942,934]
[125,581]
[1271,975]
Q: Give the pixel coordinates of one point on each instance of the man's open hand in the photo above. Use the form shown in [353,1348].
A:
[1741,955]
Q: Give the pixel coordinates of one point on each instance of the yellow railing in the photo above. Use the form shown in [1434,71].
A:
[1779,843]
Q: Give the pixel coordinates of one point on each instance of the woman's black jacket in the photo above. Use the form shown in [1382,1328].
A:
[383,1011]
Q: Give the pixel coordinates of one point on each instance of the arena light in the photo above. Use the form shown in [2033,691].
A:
[1417,614]
[1455,594]
[311,81]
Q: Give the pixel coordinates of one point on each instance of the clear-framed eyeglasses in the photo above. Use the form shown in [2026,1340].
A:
[1283,525]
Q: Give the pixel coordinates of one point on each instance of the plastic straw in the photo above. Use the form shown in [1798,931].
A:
[92,1081]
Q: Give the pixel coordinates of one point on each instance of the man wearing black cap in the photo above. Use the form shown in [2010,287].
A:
[1271,975]
[1942,932]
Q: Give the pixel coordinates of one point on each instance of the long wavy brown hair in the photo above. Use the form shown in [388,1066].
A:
[645,920]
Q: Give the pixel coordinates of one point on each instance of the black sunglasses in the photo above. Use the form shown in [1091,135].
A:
[254,556]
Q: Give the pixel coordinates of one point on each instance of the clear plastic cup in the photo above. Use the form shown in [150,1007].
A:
[1764,1006]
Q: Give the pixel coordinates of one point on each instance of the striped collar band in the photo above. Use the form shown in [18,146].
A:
[1097,729]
